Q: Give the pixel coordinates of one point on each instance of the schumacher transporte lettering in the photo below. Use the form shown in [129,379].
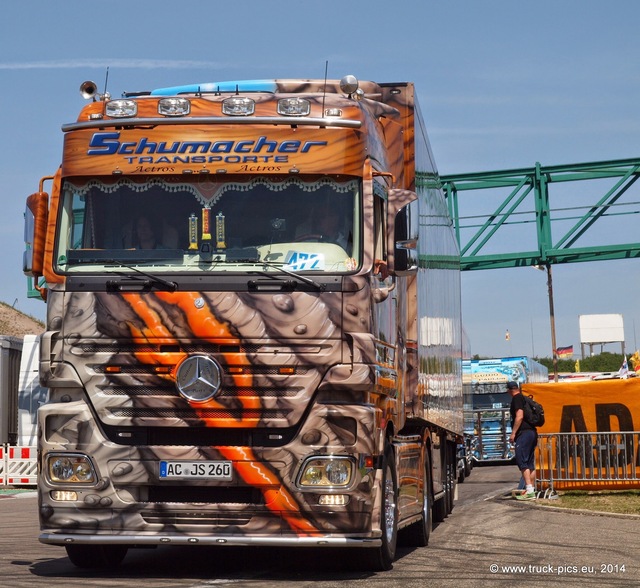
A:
[108,143]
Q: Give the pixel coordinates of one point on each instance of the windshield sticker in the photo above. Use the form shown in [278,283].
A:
[298,261]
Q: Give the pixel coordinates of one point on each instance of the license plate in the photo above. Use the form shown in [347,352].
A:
[200,470]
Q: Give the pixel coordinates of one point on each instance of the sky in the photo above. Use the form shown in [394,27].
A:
[502,84]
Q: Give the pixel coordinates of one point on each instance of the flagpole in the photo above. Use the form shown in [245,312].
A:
[533,350]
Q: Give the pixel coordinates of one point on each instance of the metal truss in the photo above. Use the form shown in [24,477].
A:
[592,214]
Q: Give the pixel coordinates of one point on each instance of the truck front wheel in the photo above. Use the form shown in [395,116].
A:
[381,558]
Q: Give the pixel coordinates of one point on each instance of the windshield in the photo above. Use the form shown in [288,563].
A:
[178,224]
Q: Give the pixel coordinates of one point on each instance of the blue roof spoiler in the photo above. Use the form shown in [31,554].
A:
[223,87]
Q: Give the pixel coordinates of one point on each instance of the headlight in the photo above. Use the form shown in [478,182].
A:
[326,471]
[71,469]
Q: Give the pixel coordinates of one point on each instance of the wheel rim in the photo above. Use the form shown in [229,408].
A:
[389,507]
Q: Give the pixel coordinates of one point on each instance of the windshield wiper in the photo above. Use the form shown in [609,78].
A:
[152,280]
[251,255]
[301,278]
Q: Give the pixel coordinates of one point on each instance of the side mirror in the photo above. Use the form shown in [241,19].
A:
[406,230]
[35,232]
[402,238]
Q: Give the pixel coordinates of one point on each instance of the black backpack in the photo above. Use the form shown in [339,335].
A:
[533,412]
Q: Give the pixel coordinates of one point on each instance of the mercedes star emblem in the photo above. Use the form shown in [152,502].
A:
[198,378]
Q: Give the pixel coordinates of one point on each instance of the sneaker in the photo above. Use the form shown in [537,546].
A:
[526,496]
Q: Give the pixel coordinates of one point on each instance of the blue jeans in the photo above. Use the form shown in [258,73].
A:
[526,442]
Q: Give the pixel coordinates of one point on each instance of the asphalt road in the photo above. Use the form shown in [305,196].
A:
[487,541]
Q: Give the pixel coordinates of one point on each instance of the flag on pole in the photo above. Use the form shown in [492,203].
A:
[564,351]
[624,369]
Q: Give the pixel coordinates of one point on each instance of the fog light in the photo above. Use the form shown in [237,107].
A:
[333,499]
[64,495]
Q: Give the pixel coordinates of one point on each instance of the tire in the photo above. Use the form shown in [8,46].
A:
[417,534]
[96,556]
[381,558]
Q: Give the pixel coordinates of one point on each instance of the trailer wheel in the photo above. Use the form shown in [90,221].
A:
[381,558]
[96,556]
[417,534]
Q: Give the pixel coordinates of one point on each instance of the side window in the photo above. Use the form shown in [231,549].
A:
[380,225]
[79,238]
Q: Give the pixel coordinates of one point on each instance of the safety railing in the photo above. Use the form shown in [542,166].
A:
[18,466]
[588,461]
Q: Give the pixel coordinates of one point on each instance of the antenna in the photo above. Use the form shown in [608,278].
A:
[324,90]
[106,81]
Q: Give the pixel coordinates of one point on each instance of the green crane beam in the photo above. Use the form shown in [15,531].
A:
[571,201]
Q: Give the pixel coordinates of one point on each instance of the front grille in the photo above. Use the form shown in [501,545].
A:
[195,518]
[140,391]
[94,347]
[206,495]
[203,413]
[199,436]
[142,369]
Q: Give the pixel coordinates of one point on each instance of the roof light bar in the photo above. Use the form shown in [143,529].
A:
[294,107]
[238,106]
[174,106]
[121,108]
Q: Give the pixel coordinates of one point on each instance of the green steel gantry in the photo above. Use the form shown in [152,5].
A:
[511,199]
[528,199]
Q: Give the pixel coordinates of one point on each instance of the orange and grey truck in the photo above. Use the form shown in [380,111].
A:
[253,330]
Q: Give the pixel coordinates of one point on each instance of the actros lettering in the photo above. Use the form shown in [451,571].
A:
[109,143]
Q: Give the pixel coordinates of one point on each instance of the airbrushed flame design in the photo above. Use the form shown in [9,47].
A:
[204,326]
